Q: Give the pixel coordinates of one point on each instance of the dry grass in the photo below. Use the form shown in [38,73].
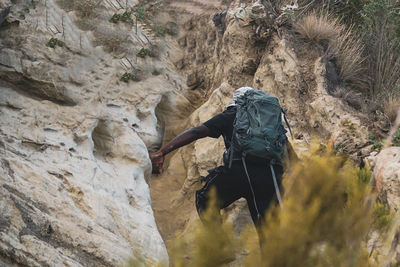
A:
[352,98]
[384,66]
[348,51]
[343,45]
[87,8]
[84,8]
[305,6]
[317,28]
[391,107]
[113,41]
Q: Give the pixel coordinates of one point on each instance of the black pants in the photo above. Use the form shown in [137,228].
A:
[232,184]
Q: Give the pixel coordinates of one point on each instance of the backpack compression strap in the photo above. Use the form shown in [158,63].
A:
[278,193]
[287,123]
[251,187]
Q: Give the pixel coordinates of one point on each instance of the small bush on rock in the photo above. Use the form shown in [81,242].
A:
[144,52]
[125,17]
[54,42]
[130,76]
[140,12]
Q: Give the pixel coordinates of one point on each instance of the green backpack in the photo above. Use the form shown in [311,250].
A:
[258,130]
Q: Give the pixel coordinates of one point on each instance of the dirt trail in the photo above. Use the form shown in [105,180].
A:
[165,188]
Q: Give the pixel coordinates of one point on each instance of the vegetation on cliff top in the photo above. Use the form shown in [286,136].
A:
[364,41]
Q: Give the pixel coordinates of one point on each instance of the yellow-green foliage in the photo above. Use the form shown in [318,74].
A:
[212,244]
[324,220]
[383,217]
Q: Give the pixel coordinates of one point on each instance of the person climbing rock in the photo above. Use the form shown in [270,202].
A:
[247,175]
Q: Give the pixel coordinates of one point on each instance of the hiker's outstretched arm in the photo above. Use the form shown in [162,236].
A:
[188,136]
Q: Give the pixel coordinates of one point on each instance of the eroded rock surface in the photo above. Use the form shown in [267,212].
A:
[74,139]
[74,143]
[386,167]
[387,175]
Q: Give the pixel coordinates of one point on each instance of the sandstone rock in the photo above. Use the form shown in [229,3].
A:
[73,190]
[386,167]
[74,144]
[387,176]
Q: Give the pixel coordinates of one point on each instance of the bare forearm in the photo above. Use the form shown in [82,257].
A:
[185,138]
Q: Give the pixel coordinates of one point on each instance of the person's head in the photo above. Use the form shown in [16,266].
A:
[239,92]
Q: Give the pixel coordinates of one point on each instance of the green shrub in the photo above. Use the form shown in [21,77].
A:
[53,42]
[140,12]
[396,139]
[382,217]
[377,145]
[143,52]
[130,76]
[125,17]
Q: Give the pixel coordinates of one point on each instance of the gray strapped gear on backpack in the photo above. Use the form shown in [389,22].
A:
[258,131]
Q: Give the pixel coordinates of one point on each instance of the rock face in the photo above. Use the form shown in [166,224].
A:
[386,166]
[74,138]
[74,143]
[5,6]
[247,54]
[73,186]
[387,174]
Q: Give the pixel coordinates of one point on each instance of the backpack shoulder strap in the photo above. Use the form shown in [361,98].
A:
[286,121]
[278,193]
[231,149]
[251,186]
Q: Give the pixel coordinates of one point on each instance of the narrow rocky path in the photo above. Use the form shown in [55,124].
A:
[166,188]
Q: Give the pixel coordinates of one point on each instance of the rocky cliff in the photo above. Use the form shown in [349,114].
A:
[250,52]
[81,106]
[74,142]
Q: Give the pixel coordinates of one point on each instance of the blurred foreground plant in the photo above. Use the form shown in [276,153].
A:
[211,244]
[326,216]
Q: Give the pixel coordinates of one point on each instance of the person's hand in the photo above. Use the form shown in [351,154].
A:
[157,161]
